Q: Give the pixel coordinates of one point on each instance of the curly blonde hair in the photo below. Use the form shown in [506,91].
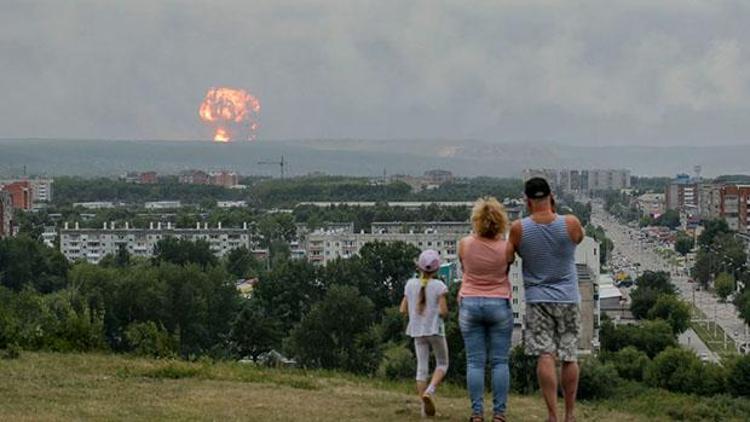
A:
[488,217]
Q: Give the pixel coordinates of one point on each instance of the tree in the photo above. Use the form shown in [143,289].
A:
[670,218]
[630,363]
[724,286]
[388,266]
[674,369]
[328,335]
[241,263]
[183,252]
[683,244]
[712,228]
[597,380]
[650,337]
[27,262]
[742,303]
[289,291]
[650,286]
[254,332]
[673,310]
[739,377]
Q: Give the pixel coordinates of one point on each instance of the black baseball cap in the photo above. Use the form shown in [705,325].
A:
[536,188]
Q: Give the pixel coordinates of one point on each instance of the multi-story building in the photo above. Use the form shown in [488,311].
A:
[603,180]
[40,188]
[651,203]
[21,194]
[734,204]
[93,244]
[6,215]
[321,247]
[582,181]
[141,178]
[224,178]
[709,200]
[193,177]
[682,194]
[437,177]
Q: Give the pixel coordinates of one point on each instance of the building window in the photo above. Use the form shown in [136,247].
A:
[515,315]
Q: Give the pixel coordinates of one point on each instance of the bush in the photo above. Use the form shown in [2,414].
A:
[12,351]
[149,339]
[522,371]
[674,369]
[738,381]
[398,363]
[650,337]
[597,380]
[630,363]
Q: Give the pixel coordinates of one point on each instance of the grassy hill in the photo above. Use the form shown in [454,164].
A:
[47,387]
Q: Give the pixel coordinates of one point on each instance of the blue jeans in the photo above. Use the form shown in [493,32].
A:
[486,323]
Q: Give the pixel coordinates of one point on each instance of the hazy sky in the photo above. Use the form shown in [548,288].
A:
[584,72]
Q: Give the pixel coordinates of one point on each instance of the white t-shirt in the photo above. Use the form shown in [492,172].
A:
[428,323]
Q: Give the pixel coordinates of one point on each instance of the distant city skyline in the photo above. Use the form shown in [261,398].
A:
[581,72]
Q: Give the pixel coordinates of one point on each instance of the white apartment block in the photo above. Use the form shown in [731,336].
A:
[94,244]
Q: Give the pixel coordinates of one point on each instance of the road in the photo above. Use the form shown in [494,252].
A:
[690,339]
[630,249]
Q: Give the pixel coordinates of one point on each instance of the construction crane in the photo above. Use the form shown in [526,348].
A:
[279,163]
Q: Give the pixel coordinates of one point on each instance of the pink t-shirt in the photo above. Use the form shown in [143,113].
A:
[485,267]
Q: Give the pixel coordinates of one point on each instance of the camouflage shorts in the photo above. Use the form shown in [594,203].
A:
[552,328]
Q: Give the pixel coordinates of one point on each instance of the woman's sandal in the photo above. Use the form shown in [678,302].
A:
[499,417]
[476,418]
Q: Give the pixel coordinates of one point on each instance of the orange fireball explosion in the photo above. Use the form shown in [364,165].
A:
[230,111]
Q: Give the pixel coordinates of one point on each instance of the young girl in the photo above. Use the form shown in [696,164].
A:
[424,301]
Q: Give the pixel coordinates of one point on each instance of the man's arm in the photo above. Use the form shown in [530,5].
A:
[514,237]
[575,230]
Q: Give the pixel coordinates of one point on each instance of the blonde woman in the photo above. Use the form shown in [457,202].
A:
[485,314]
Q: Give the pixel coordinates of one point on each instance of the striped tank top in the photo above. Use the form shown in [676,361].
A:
[549,265]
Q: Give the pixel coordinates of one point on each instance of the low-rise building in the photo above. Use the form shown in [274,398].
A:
[162,205]
[95,205]
[94,244]
[231,204]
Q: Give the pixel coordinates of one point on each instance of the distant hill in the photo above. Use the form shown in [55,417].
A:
[355,157]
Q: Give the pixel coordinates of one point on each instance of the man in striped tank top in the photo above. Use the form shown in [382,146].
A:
[546,242]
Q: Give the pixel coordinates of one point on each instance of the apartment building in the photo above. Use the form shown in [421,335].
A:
[709,200]
[582,181]
[21,194]
[321,247]
[682,194]
[94,244]
[734,204]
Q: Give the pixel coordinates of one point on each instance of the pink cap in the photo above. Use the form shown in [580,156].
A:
[429,261]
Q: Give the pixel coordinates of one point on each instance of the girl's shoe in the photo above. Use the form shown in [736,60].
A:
[476,418]
[428,400]
[499,417]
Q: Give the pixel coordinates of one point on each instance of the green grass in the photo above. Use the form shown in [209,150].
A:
[52,387]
